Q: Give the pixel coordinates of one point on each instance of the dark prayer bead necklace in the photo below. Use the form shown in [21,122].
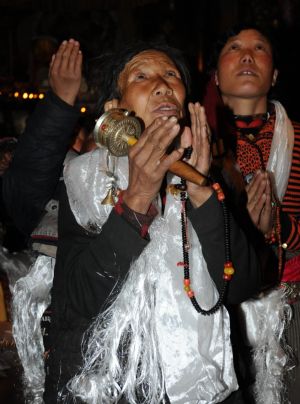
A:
[228,267]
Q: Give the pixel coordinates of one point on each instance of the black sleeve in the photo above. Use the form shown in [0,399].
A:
[32,177]
[91,267]
[208,222]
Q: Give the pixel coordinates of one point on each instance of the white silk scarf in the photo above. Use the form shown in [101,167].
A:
[174,348]
[280,158]
[30,283]
[267,316]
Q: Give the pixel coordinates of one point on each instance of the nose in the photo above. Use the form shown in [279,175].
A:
[247,57]
[162,87]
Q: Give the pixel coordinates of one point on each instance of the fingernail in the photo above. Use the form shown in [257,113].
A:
[173,118]
[64,42]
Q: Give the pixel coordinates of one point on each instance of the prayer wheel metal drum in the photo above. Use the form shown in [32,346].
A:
[116,130]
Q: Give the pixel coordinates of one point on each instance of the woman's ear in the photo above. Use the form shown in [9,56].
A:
[114,103]
[274,79]
[216,78]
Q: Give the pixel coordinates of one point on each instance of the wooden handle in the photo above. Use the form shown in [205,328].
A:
[179,168]
[187,172]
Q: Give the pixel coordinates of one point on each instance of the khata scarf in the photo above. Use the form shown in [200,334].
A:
[150,340]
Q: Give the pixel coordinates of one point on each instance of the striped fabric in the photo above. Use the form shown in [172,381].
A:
[291,201]
[249,160]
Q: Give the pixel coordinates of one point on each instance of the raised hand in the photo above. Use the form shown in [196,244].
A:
[148,163]
[259,202]
[201,156]
[65,71]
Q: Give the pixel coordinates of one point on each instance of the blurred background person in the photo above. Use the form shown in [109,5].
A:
[30,192]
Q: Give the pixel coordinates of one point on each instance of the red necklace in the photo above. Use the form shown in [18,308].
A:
[251,123]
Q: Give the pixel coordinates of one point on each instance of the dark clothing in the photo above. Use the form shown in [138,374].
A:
[10,236]
[32,179]
[35,169]
[252,155]
[90,269]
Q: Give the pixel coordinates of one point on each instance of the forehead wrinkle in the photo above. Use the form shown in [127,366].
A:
[257,36]
[136,62]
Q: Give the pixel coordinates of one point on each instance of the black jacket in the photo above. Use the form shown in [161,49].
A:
[90,267]
[31,180]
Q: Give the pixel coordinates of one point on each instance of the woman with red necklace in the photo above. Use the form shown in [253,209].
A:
[261,161]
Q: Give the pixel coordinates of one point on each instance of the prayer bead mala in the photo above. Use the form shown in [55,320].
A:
[228,266]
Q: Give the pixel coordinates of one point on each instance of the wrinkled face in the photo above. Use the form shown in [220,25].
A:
[245,66]
[151,86]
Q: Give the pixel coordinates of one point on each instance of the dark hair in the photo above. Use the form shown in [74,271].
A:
[104,71]
[235,30]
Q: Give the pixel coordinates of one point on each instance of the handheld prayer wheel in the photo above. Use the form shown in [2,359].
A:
[116,130]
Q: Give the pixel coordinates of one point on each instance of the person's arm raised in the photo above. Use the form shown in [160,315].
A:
[65,72]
